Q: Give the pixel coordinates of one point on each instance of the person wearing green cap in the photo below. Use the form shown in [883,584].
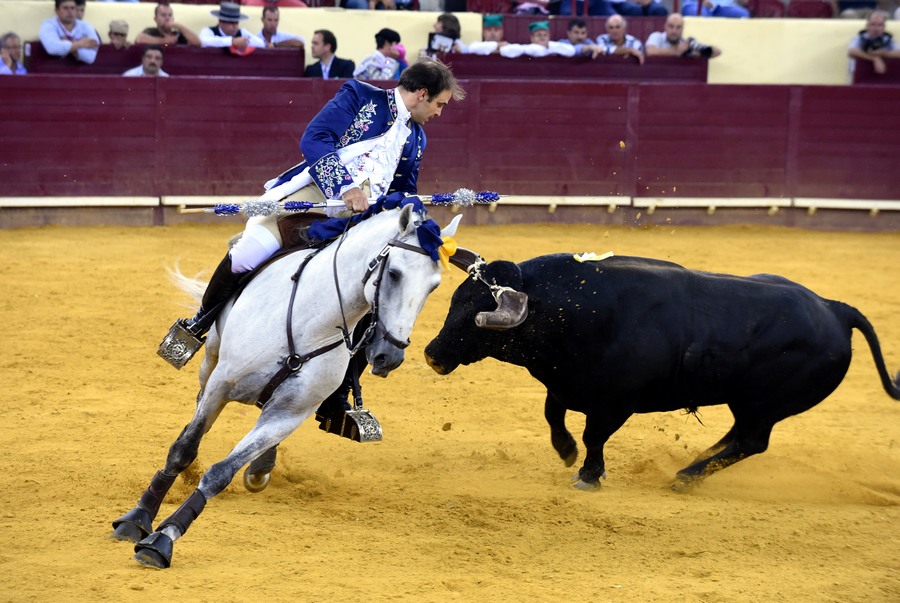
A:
[491,35]
[540,46]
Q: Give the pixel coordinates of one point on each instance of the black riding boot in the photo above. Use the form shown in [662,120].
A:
[186,335]
[335,405]
[221,287]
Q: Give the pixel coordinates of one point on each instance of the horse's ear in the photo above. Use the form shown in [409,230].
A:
[408,220]
[450,229]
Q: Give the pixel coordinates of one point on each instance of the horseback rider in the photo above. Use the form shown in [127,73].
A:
[365,141]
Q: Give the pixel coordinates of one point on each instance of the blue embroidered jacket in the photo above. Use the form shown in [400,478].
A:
[358,112]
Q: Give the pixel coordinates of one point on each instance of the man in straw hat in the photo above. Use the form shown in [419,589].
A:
[366,142]
[228,33]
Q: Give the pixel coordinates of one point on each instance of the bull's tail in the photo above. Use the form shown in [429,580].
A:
[856,320]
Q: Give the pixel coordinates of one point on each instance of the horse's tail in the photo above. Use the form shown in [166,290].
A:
[193,286]
[856,320]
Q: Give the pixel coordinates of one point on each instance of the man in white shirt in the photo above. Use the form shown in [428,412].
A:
[151,64]
[381,64]
[270,34]
[228,33]
[64,34]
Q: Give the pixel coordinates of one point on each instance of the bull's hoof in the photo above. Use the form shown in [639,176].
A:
[154,551]
[256,482]
[685,483]
[132,527]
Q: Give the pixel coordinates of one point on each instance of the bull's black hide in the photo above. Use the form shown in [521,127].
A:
[632,335]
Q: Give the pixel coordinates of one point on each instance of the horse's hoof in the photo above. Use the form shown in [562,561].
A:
[584,486]
[133,526]
[570,460]
[256,482]
[154,551]
[127,532]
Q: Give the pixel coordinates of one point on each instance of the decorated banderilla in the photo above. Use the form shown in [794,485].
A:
[462,197]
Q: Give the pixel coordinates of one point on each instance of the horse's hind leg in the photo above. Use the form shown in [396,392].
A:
[272,427]
[137,523]
[256,476]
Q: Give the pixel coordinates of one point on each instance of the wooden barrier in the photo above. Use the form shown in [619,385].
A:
[177,60]
[95,136]
[574,68]
[864,73]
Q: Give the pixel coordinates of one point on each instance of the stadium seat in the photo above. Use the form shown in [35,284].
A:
[809,9]
[766,9]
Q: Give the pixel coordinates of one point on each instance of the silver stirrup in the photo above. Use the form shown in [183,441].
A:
[179,345]
[358,425]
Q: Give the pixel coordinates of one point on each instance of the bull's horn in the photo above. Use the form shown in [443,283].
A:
[512,310]
[464,258]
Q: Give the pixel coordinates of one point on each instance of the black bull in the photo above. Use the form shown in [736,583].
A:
[632,335]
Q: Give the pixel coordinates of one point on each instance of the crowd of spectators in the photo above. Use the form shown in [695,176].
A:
[68,34]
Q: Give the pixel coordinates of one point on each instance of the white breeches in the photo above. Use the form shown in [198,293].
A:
[258,243]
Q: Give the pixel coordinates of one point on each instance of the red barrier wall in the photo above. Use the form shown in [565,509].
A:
[113,136]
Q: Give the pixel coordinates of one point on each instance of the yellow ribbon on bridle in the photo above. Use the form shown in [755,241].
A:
[446,250]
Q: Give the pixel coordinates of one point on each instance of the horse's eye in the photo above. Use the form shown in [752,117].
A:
[394,275]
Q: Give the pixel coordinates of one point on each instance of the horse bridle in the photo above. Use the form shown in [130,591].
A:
[380,262]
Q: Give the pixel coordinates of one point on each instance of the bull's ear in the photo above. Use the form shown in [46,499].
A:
[505,274]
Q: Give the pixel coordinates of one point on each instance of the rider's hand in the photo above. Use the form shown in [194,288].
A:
[355,200]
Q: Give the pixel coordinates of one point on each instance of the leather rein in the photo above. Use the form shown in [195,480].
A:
[294,361]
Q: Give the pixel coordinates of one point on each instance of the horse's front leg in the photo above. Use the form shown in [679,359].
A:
[273,426]
[137,523]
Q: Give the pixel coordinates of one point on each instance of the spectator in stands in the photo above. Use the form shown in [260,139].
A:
[324,45]
[606,8]
[270,34]
[380,138]
[11,53]
[381,64]
[733,9]
[873,44]
[401,60]
[671,43]
[577,37]
[446,34]
[281,3]
[151,64]
[540,45]
[640,8]
[492,36]
[228,33]
[618,41]
[118,34]
[167,31]
[65,34]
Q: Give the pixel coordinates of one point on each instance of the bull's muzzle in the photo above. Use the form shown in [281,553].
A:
[512,310]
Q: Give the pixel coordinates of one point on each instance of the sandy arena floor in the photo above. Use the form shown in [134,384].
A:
[479,511]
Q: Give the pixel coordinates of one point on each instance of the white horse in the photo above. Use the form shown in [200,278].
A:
[338,286]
